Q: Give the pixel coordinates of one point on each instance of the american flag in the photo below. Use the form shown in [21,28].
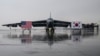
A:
[26,24]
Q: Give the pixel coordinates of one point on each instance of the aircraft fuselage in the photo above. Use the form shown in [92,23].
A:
[50,25]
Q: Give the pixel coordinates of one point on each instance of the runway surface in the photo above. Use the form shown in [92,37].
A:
[39,43]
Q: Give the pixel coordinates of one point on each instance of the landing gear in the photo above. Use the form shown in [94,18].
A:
[50,30]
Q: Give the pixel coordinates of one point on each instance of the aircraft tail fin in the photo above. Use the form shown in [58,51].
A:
[50,14]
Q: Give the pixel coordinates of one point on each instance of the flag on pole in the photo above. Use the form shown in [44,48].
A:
[26,24]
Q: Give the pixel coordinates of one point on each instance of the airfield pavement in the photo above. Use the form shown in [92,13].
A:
[37,44]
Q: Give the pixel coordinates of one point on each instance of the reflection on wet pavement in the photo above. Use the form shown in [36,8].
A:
[49,36]
[50,43]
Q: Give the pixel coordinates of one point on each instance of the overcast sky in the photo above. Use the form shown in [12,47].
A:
[12,11]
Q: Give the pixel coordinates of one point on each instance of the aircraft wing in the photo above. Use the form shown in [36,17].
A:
[40,23]
[61,23]
[12,25]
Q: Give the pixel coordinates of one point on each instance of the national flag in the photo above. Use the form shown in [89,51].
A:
[76,25]
[26,24]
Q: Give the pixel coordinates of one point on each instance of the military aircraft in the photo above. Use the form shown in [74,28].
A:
[50,23]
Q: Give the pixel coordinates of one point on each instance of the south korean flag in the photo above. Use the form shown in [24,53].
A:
[76,25]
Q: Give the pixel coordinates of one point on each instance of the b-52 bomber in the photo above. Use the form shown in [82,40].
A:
[50,24]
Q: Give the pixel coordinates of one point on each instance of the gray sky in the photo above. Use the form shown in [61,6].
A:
[12,11]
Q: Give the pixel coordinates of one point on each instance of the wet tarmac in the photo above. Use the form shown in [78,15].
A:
[40,43]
